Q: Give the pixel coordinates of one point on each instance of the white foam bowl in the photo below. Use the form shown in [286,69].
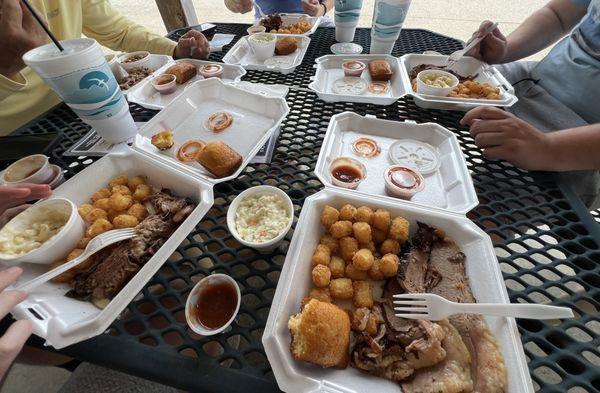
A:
[134,64]
[270,244]
[192,300]
[423,88]
[56,247]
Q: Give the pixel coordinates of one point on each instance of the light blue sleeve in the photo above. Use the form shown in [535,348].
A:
[582,2]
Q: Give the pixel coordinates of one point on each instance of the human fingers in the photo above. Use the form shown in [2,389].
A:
[12,342]
[482,126]
[9,299]
[497,33]
[483,112]
[486,24]
[30,24]
[489,139]
[9,276]
[12,14]
[10,193]
[37,191]
[496,153]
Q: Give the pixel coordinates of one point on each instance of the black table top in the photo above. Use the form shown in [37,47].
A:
[545,240]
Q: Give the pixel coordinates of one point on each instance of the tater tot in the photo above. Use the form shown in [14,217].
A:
[94,215]
[65,277]
[83,242]
[371,247]
[82,265]
[353,273]
[375,271]
[99,226]
[364,214]
[341,288]
[362,232]
[321,275]
[321,294]
[112,214]
[340,229]
[120,190]
[101,193]
[363,294]
[120,180]
[120,202]
[337,266]
[321,256]
[329,215]
[74,254]
[85,209]
[348,247]
[378,235]
[389,246]
[364,320]
[389,265]
[331,242]
[135,181]
[363,259]
[138,211]
[399,230]
[141,192]
[103,204]
[381,219]
[125,221]
[347,213]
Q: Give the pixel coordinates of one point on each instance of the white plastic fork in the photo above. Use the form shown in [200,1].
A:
[95,245]
[456,56]
[434,308]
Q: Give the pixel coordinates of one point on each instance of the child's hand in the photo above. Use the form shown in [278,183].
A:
[503,136]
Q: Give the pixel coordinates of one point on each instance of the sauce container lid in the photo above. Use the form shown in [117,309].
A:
[415,154]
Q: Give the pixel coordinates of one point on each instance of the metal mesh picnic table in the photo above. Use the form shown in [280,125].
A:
[545,240]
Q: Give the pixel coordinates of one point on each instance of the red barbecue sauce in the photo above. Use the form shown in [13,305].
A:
[216,305]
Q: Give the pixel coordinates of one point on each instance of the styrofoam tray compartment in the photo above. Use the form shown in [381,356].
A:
[242,54]
[155,63]
[144,94]
[256,116]
[66,321]
[295,283]
[288,19]
[449,187]
[465,66]
[329,69]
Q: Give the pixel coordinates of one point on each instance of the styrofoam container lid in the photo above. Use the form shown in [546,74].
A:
[346,48]
[415,154]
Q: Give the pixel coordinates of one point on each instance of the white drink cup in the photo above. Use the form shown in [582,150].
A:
[388,18]
[81,76]
[346,19]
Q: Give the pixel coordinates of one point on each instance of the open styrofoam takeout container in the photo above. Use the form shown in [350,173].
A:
[241,54]
[295,282]
[155,62]
[145,95]
[64,321]
[450,187]
[289,19]
[329,69]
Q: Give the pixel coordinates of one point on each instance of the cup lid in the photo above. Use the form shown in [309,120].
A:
[415,154]
[346,48]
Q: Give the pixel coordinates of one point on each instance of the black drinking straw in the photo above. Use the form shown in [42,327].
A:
[37,17]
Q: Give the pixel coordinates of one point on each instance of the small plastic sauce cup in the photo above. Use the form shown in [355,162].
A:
[347,172]
[403,182]
[353,68]
[164,84]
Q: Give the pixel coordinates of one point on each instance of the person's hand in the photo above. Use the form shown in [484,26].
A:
[313,8]
[503,136]
[492,49]
[193,45]
[9,214]
[19,33]
[17,334]
[239,6]
[17,195]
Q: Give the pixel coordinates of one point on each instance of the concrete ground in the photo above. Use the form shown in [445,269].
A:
[453,18]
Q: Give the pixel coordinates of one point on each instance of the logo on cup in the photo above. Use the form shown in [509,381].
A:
[347,10]
[388,19]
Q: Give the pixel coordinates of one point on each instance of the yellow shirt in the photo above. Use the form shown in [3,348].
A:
[26,96]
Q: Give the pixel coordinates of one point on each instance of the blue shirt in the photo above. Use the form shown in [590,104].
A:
[273,6]
[587,34]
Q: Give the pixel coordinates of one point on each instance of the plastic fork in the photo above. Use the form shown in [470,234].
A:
[96,244]
[456,56]
[433,307]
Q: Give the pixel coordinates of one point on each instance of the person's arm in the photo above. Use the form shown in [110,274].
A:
[503,136]
[316,7]
[109,27]
[540,30]
[239,6]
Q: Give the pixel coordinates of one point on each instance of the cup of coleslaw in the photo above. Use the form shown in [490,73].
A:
[260,217]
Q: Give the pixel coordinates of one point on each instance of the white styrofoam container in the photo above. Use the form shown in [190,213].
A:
[449,188]
[329,68]
[155,62]
[256,117]
[145,95]
[288,19]
[295,282]
[64,321]
[242,54]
